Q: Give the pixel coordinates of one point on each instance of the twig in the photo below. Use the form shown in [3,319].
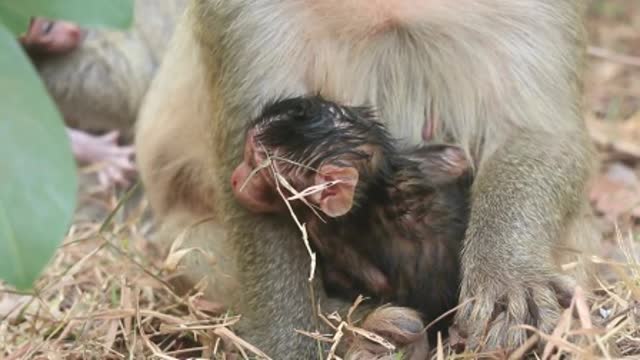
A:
[301,226]
[607,54]
[280,180]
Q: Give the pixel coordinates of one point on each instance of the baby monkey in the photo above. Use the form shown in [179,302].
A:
[387,221]
[46,40]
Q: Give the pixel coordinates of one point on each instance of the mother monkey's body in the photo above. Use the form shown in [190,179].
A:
[503,76]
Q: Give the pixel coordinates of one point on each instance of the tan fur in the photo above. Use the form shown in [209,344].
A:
[502,76]
[100,85]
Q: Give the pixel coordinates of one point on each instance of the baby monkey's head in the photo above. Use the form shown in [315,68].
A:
[310,142]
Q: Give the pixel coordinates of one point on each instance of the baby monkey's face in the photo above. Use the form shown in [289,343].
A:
[264,168]
[253,182]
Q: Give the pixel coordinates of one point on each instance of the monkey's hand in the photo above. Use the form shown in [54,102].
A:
[401,326]
[115,161]
[494,308]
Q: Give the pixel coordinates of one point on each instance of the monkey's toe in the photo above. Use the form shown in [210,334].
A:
[494,323]
[398,324]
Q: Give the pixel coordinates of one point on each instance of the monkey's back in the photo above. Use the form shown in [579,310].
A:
[431,213]
[410,226]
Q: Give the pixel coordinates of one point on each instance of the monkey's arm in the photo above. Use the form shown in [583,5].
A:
[526,200]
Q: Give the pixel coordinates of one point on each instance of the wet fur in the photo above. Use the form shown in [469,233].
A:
[505,77]
[410,208]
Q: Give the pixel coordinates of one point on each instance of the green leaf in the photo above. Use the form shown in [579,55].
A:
[15,14]
[38,183]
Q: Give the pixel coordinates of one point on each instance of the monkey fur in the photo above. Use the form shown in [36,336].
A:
[502,76]
[396,218]
[99,86]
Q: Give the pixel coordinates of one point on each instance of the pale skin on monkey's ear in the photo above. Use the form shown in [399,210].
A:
[336,200]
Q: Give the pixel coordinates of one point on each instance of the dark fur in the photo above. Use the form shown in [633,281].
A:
[408,219]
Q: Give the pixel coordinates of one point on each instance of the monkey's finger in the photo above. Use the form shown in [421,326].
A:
[111,177]
[113,150]
[108,177]
[564,287]
[126,151]
[547,307]
[103,180]
[111,136]
[117,176]
[122,163]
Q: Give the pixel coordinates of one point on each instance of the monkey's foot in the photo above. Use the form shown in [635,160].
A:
[401,326]
[493,315]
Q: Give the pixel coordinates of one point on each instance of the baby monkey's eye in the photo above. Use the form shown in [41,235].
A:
[47,26]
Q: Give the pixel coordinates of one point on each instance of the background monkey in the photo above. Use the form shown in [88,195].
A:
[394,223]
[468,63]
[46,39]
[98,78]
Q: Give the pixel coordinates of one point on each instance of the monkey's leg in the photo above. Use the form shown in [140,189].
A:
[509,260]
[276,295]
[172,156]
[188,144]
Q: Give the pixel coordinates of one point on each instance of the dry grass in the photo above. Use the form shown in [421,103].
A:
[106,296]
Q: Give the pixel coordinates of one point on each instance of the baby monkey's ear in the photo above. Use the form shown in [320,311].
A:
[336,200]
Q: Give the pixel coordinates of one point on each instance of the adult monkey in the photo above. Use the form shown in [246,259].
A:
[503,76]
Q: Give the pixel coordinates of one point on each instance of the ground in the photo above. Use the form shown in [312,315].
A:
[105,297]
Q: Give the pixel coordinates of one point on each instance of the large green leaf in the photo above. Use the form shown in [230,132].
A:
[37,171]
[15,14]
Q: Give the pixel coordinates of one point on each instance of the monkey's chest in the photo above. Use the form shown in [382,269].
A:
[396,84]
